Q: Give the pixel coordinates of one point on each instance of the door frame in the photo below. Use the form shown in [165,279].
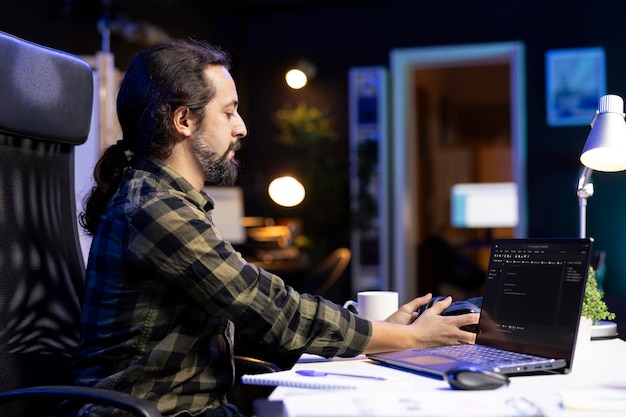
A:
[399,205]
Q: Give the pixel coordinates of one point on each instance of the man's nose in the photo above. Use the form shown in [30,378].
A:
[240,129]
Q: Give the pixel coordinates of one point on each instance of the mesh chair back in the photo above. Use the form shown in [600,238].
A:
[45,110]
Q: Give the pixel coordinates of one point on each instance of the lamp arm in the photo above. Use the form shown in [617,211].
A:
[584,191]
[584,179]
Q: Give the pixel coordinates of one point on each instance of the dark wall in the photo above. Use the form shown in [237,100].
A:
[337,38]
[342,34]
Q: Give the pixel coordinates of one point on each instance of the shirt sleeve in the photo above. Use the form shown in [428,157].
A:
[178,242]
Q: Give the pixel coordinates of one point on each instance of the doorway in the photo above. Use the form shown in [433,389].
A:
[438,93]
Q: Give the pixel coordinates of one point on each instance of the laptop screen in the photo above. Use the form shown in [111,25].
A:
[533,295]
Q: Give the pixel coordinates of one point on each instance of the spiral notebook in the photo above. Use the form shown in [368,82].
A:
[291,378]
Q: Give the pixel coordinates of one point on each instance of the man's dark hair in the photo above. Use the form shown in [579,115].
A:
[159,80]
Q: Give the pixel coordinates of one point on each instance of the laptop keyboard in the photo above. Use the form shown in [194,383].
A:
[484,355]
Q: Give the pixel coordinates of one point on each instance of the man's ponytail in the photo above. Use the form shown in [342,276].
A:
[108,176]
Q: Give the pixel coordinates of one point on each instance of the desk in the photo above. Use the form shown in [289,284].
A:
[597,364]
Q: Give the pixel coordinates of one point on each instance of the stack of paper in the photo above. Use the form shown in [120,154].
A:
[595,399]
[372,403]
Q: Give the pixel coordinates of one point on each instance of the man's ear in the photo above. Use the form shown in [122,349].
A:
[184,121]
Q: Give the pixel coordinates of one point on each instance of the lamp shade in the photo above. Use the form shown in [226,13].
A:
[605,149]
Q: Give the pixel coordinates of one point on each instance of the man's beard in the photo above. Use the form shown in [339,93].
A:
[218,170]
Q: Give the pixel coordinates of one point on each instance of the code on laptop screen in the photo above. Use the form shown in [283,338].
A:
[533,295]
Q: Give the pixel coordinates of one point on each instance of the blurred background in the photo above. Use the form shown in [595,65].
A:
[466,125]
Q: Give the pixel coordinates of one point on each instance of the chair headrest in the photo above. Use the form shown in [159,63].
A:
[44,93]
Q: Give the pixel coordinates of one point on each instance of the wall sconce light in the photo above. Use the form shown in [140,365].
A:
[300,75]
[286,191]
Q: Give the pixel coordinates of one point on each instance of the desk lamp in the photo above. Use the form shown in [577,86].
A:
[604,150]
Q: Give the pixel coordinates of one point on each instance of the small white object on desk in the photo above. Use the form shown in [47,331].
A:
[374,305]
[603,330]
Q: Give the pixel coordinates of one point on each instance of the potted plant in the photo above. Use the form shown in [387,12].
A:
[594,308]
[309,133]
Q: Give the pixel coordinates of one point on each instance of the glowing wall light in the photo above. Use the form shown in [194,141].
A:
[286,191]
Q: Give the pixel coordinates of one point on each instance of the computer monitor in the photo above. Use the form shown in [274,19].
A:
[484,205]
[228,212]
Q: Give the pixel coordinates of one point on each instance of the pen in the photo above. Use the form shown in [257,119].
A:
[308,372]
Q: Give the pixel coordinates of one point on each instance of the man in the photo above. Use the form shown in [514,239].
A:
[164,291]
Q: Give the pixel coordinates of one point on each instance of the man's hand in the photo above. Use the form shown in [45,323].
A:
[407,313]
[405,330]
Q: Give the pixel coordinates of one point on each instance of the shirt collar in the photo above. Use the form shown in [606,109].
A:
[167,173]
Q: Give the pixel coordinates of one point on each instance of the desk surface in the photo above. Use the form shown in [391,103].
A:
[598,365]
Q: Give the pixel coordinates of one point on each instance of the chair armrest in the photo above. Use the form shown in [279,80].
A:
[123,401]
[250,365]
[243,395]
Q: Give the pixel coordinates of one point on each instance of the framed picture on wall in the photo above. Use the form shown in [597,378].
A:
[575,81]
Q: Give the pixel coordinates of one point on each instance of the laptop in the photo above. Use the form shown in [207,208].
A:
[530,311]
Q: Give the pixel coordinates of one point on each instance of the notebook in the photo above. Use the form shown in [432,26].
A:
[302,379]
[531,307]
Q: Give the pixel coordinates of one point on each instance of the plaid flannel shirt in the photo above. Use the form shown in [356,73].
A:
[164,292]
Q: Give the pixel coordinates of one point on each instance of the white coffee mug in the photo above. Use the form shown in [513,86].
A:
[374,305]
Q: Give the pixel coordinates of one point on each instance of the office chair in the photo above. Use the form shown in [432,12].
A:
[242,395]
[45,111]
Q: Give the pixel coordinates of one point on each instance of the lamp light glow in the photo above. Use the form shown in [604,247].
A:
[286,191]
[299,76]
[605,148]
[296,79]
